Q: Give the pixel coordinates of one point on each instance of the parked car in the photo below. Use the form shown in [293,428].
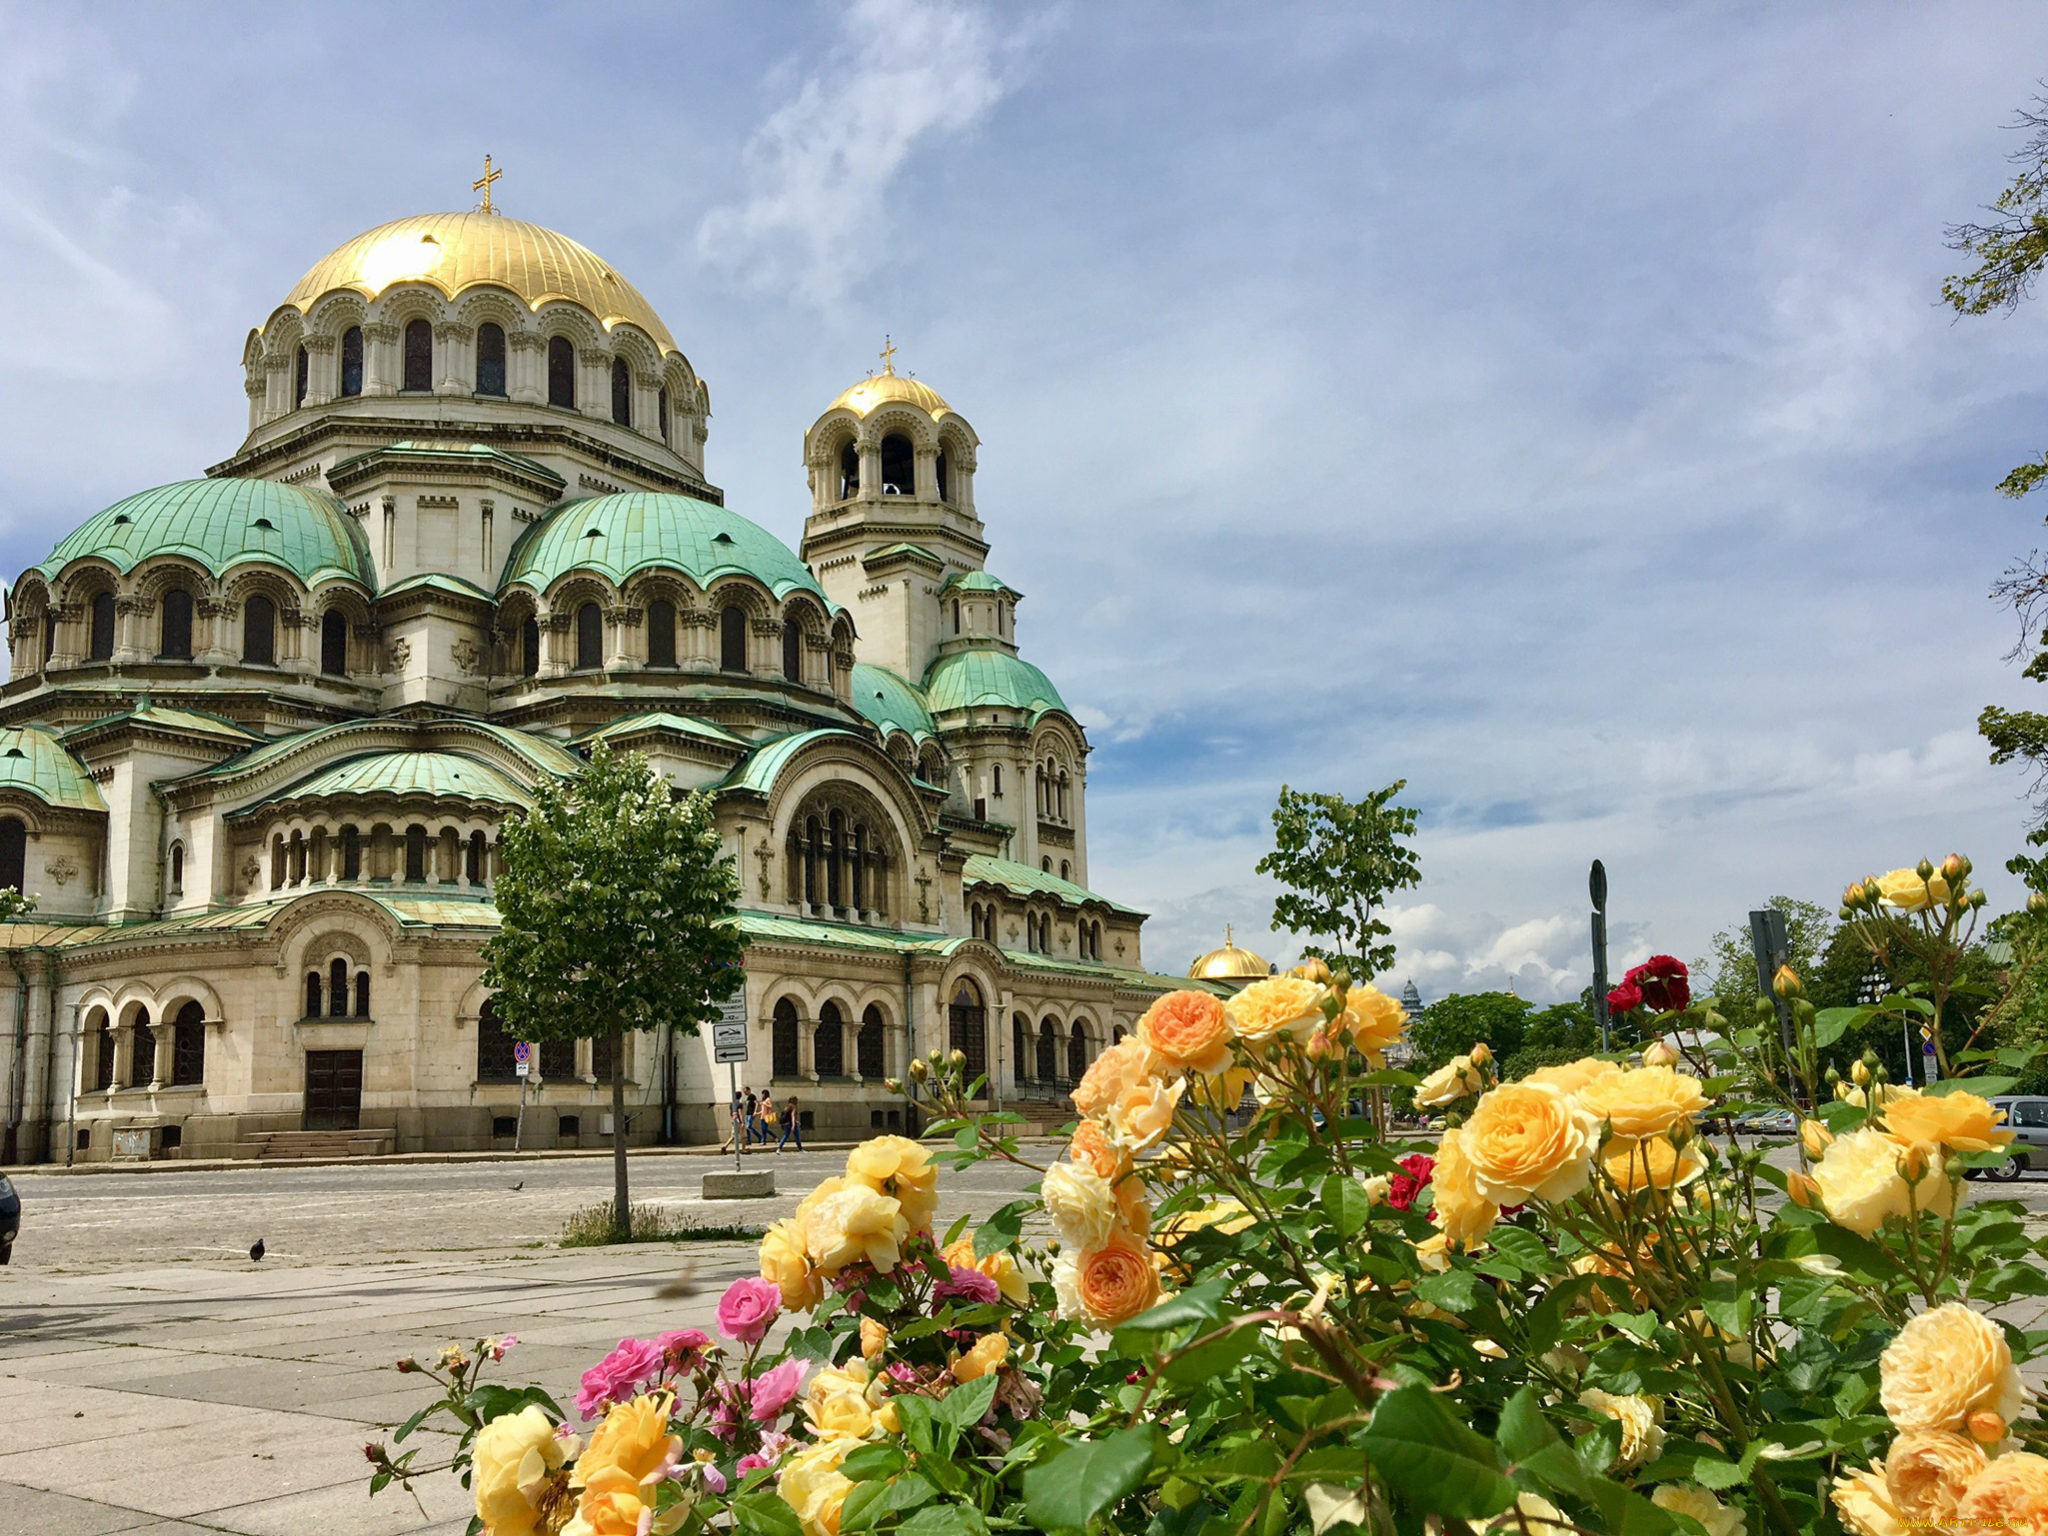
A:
[2026,1115]
[10,1218]
[1770,1124]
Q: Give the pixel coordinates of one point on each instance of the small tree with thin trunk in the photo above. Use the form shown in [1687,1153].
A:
[1340,860]
[616,913]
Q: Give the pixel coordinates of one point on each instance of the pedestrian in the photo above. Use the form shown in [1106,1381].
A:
[752,1112]
[733,1112]
[761,1103]
[790,1126]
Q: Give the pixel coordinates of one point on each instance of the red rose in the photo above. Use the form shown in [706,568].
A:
[1663,982]
[1402,1188]
[1626,998]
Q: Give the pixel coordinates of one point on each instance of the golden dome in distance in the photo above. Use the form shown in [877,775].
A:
[1229,963]
[457,251]
[879,389]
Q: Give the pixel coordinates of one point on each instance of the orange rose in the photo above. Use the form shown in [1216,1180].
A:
[988,1353]
[1864,1504]
[1528,1143]
[1946,1364]
[1643,1101]
[1928,1471]
[1188,1032]
[1139,1116]
[1124,1065]
[1092,1149]
[998,1266]
[1116,1281]
[1652,1163]
[608,1512]
[2009,1495]
[1962,1122]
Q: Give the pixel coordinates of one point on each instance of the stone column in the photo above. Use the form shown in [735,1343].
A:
[594,389]
[646,415]
[458,364]
[526,368]
[255,387]
[321,381]
[806,1055]
[620,623]
[380,359]
[166,1053]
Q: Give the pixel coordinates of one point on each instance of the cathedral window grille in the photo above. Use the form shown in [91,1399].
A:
[622,392]
[177,867]
[259,632]
[601,1057]
[561,373]
[351,380]
[589,638]
[188,1047]
[792,651]
[661,633]
[351,853]
[418,377]
[785,1060]
[103,1055]
[899,462]
[142,1057]
[967,1027]
[175,638]
[868,1052]
[490,359]
[473,859]
[494,1048]
[1020,1030]
[362,994]
[828,1046]
[1077,1054]
[849,471]
[301,371]
[661,411]
[939,468]
[1048,1051]
[415,854]
[529,648]
[13,852]
[558,1060]
[337,989]
[1116,1035]
[732,639]
[334,643]
[101,645]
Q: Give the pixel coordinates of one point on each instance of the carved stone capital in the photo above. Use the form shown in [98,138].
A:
[381,331]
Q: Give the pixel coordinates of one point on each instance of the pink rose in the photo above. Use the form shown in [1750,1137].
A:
[967,1285]
[773,1391]
[618,1376]
[747,1309]
[683,1347]
[773,1444]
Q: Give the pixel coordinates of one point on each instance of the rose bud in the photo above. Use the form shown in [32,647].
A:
[1803,1191]
[1986,1427]
[1786,983]
[1658,1054]
[1815,1137]
[1954,868]
[1480,1054]
[2037,905]
[1859,1074]
[1924,869]
[919,1070]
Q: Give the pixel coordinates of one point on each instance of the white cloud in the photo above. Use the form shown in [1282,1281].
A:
[904,73]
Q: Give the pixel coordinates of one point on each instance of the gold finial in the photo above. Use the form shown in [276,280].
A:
[483,184]
[1229,938]
[888,355]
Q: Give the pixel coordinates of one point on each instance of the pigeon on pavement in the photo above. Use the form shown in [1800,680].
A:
[256,1249]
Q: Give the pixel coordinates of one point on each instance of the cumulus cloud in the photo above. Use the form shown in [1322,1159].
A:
[903,74]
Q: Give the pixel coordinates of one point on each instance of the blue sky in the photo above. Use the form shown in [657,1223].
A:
[1547,405]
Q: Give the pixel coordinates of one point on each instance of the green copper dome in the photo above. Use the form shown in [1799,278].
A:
[633,531]
[887,702]
[441,775]
[968,678]
[222,524]
[36,764]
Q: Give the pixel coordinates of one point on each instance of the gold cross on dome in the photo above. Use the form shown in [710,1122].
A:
[483,184]
[888,355]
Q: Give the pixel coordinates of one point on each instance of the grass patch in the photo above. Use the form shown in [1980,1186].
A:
[591,1227]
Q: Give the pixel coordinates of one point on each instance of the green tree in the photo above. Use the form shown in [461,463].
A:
[1728,969]
[1452,1025]
[617,915]
[1340,860]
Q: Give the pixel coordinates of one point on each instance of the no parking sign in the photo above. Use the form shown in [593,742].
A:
[522,1057]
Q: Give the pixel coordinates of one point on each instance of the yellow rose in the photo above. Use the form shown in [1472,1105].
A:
[856,1224]
[1139,1116]
[999,1266]
[903,1170]
[1904,889]
[1962,1122]
[1927,1472]
[1433,1253]
[1642,1433]
[1376,1020]
[1529,1143]
[1945,1365]
[810,1483]
[1643,1101]
[1864,1504]
[2009,1495]
[608,1512]
[1690,1499]
[1279,1005]
[849,1400]
[784,1261]
[631,1443]
[1652,1163]
[1573,1075]
[1463,1215]
[1081,1203]
[988,1353]
[1187,1031]
[1860,1183]
[1452,1081]
[515,1454]
[1106,1285]
[1123,1065]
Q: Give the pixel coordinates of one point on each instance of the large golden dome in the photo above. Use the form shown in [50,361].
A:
[1230,963]
[881,388]
[455,251]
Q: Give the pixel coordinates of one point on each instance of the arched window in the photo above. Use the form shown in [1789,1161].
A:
[259,631]
[1065,869]
[956,615]
[362,994]
[967,1027]
[732,640]
[473,859]
[834,889]
[1020,1053]
[868,1054]
[661,411]
[419,357]
[415,853]
[13,853]
[494,1043]
[812,838]
[188,1047]
[995,773]
[334,643]
[175,636]
[302,369]
[661,633]
[792,651]
[142,1052]
[1077,1053]
[849,471]
[529,647]
[1045,865]
[561,372]
[337,988]
[177,867]
[589,638]
[940,468]
[1063,794]
[352,361]
[102,1053]
[828,1045]
[899,466]
[783,1048]
[102,643]
[1048,1051]
[351,853]
[857,862]
[1116,1035]
[622,392]
[490,359]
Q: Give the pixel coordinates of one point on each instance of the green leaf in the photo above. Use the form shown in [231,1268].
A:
[1532,1444]
[945,1520]
[1346,1204]
[1984,1087]
[1197,1304]
[1830,1024]
[1213,1360]
[1067,1492]
[1432,1459]
[872,1461]
[412,1423]
[964,1407]
[765,1514]
[1455,1290]
[1002,1228]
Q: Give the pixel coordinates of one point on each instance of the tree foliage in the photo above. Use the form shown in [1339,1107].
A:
[616,915]
[1728,969]
[1340,860]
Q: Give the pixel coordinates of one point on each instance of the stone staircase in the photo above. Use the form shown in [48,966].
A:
[284,1146]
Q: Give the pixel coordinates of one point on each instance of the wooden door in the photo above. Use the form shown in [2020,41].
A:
[334,1090]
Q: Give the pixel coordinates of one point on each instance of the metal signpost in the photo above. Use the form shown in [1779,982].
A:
[522,1064]
[729,1045]
[1596,885]
[1773,948]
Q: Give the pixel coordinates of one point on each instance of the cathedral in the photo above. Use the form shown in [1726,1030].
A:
[262,729]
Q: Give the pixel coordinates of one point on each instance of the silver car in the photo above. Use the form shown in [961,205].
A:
[2027,1118]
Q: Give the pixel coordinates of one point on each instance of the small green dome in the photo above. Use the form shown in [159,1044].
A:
[634,531]
[977,581]
[222,524]
[35,763]
[440,775]
[989,677]
[887,702]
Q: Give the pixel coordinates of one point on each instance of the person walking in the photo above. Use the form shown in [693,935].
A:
[750,1114]
[735,1123]
[790,1126]
[761,1103]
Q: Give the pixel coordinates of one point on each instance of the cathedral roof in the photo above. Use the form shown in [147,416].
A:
[638,530]
[441,775]
[963,679]
[1023,880]
[889,703]
[224,523]
[761,767]
[458,251]
[35,763]
[882,388]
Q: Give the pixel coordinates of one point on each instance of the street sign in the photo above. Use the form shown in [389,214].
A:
[729,1040]
[522,1068]
[522,1052]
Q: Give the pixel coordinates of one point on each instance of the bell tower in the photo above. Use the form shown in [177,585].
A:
[892,518]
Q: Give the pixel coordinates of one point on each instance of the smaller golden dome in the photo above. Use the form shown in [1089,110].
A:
[884,388]
[1229,963]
